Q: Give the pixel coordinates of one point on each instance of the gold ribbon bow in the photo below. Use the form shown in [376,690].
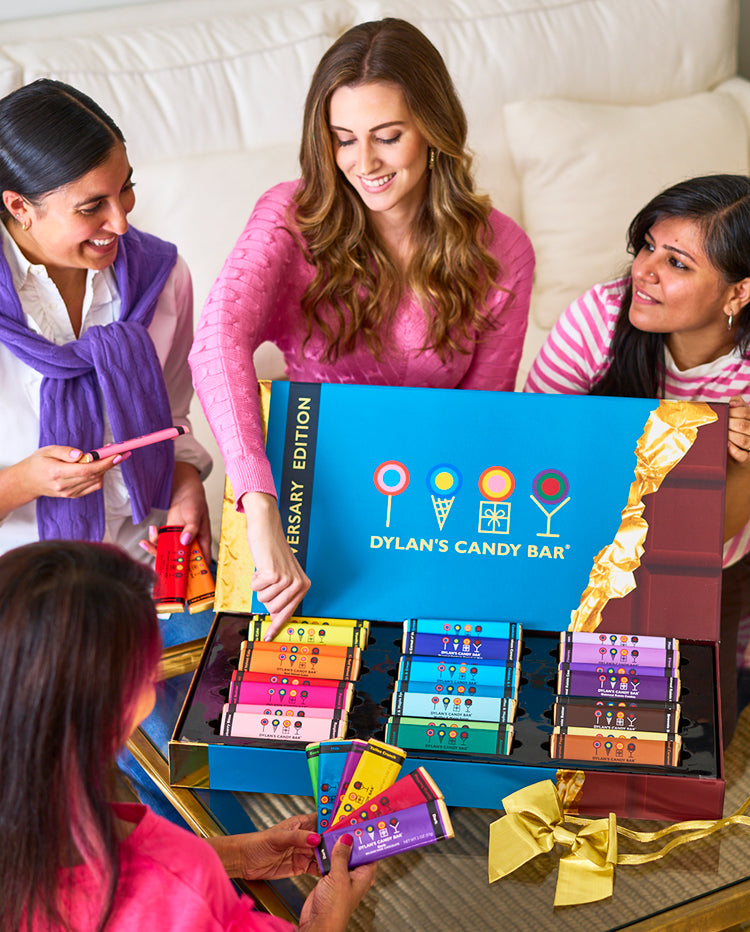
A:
[534,824]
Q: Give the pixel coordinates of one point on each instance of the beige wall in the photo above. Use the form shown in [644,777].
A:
[743,65]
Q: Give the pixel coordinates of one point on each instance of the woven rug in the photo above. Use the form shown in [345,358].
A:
[444,887]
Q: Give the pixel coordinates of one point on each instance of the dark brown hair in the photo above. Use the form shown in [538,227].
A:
[79,640]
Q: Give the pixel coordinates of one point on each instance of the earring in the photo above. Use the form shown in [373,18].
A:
[431,162]
[25,224]
[730,321]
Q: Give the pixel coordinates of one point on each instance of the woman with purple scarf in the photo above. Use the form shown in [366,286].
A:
[95,327]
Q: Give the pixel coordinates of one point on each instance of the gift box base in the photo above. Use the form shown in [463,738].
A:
[200,757]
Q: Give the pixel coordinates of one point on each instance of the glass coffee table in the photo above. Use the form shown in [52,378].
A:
[702,886]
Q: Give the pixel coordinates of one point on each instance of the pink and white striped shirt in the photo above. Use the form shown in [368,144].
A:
[576,354]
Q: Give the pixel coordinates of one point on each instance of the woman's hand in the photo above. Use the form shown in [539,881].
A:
[187,509]
[53,471]
[284,850]
[335,896]
[737,499]
[279,580]
[739,429]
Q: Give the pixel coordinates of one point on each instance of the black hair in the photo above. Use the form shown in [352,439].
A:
[79,641]
[51,134]
[720,206]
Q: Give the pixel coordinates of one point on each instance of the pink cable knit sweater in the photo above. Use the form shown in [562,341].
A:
[257,297]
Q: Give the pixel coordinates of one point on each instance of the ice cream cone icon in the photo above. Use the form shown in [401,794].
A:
[443,481]
[442,506]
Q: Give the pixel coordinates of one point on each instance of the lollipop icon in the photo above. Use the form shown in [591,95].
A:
[391,478]
[443,481]
[550,487]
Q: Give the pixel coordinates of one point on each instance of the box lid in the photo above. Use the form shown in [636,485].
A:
[548,510]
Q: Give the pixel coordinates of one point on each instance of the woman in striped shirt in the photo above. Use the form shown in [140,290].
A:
[678,326]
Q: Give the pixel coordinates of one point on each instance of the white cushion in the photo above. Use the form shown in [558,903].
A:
[208,85]
[587,169]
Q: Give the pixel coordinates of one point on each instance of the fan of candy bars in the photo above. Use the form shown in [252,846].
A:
[358,792]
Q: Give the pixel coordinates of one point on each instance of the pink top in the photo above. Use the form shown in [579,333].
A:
[576,355]
[170,880]
[257,297]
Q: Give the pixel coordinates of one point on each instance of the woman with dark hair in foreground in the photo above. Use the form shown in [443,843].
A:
[79,649]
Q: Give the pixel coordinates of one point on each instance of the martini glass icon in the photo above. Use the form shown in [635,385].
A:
[550,487]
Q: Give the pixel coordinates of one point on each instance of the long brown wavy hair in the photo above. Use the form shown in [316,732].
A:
[357,286]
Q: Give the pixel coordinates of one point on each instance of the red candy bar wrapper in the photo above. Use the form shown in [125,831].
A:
[410,790]
[383,836]
[172,559]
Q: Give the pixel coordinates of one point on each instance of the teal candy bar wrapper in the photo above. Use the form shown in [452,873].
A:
[459,628]
[436,734]
[458,673]
[466,708]
[383,836]
[505,690]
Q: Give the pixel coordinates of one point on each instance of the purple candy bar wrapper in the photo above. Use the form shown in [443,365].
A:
[618,669]
[582,683]
[451,647]
[347,771]
[639,641]
[403,830]
[571,652]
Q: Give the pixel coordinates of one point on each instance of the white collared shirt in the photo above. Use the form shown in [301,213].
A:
[172,333]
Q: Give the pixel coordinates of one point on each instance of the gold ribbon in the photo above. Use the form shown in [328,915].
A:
[669,433]
[534,824]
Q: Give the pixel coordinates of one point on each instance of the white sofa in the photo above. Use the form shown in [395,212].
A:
[579,111]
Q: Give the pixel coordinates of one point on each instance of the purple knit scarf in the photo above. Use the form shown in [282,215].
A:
[116,363]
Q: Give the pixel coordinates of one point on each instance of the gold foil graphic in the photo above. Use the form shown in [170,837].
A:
[669,433]
[236,566]
[570,789]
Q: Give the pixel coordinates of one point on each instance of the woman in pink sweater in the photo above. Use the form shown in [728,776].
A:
[380,266]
